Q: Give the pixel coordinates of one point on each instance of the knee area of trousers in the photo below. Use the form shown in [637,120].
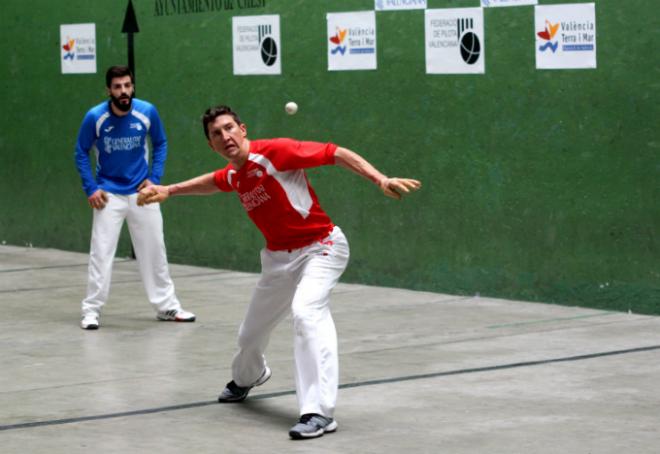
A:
[243,338]
[301,314]
[305,322]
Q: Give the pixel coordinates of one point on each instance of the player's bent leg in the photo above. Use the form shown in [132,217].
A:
[270,303]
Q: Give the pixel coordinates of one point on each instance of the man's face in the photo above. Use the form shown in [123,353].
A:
[121,92]
[227,137]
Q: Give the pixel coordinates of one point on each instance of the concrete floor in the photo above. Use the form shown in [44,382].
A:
[420,372]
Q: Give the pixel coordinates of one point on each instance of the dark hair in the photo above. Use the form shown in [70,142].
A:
[214,112]
[117,71]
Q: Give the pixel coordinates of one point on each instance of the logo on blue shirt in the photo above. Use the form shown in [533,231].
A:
[121,143]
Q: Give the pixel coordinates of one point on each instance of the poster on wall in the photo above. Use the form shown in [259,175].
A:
[565,36]
[351,41]
[78,48]
[256,45]
[496,3]
[392,5]
[455,41]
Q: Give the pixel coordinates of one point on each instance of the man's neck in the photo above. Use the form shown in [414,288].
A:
[118,112]
[241,159]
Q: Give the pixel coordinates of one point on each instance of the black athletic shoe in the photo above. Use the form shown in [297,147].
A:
[312,425]
[235,393]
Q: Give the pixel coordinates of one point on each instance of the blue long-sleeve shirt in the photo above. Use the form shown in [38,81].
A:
[121,148]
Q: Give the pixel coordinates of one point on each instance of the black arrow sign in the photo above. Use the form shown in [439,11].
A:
[130,26]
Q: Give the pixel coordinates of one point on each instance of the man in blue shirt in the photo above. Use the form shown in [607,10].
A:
[117,131]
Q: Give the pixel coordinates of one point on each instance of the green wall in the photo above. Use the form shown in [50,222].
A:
[538,185]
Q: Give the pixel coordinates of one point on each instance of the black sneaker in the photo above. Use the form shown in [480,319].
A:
[312,425]
[235,393]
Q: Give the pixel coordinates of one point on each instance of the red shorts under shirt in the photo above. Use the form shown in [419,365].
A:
[273,188]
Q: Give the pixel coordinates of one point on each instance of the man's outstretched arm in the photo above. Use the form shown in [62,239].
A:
[391,187]
[203,184]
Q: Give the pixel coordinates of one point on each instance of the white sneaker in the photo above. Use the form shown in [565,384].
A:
[175,315]
[90,321]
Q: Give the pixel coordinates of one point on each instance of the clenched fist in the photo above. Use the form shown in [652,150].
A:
[152,194]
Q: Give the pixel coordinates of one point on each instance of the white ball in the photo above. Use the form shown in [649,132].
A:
[291,107]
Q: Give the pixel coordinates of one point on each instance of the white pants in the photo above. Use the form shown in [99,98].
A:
[301,281]
[145,224]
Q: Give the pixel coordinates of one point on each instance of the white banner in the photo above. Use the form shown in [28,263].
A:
[351,41]
[78,48]
[565,36]
[495,3]
[455,41]
[390,5]
[256,45]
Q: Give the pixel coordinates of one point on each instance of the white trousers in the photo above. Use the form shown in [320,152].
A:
[299,281]
[145,225]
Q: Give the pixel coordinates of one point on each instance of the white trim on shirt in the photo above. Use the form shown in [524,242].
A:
[99,122]
[142,117]
[292,181]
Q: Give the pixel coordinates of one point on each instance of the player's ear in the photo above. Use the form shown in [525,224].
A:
[243,130]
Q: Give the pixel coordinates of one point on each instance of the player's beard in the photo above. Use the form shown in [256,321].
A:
[123,107]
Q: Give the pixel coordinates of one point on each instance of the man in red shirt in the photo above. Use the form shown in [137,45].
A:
[304,257]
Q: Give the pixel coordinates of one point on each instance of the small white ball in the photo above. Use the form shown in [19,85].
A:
[291,108]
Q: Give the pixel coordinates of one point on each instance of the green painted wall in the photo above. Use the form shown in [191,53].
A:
[538,185]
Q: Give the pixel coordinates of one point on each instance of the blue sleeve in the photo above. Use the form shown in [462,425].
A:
[85,142]
[159,144]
